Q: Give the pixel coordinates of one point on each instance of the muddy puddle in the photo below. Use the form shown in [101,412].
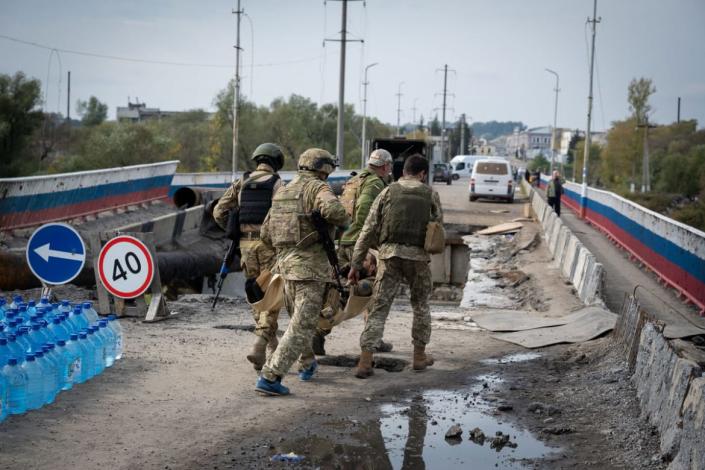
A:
[411,434]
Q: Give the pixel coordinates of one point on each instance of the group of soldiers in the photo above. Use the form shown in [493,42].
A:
[383,227]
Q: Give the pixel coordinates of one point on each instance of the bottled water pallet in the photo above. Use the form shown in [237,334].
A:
[154,310]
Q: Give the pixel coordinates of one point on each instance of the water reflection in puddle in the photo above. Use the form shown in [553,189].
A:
[414,433]
[511,358]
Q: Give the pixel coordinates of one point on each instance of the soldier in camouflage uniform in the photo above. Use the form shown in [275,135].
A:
[252,196]
[359,193]
[397,223]
[301,261]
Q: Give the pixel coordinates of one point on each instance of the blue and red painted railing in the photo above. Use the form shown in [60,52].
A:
[674,251]
[35,200]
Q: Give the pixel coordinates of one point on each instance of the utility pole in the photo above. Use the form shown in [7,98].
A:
[678,115]
[445,70]
[68,99]
[413,110]
[586,154]
[236,91]
[462,134]
[645,170]
[555,118]
[364,152]
[399,95]
[340,134]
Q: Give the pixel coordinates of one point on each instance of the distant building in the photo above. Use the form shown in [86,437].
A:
[529,143]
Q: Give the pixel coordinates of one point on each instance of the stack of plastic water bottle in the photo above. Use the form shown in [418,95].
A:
[47,348]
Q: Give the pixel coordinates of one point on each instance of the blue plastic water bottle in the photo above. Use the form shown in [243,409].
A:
[16,349]
[17,387]
[87,357]
[109,339]
[90,313]
[61,353]
[23,313]
[5,352]
[78,318]
[74,357]
[114,325]
[58,330]
[99,347]
[23,341]
[31,307]
[4,396]
[48,377]
[16,301]
[58,361]
[3,307]
[35,382]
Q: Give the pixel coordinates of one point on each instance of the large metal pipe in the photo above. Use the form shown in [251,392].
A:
[199,260]
[190,196]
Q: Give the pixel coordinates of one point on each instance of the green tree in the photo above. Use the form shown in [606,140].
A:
[19,119]
[539,162]
[639,91]
[435,126]
[92,112]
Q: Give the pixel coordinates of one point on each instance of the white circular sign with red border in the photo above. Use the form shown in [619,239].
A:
[125,267]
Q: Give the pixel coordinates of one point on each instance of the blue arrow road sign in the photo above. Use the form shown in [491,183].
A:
[56,253]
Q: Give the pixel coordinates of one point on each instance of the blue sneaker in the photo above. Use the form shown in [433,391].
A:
[275,389]
[307,374]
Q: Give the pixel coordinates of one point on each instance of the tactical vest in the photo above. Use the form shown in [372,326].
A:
[256,199]
[351,192]
[408,212]
[289,223]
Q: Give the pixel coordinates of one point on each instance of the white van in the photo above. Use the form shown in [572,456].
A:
[492,178]
[462,165]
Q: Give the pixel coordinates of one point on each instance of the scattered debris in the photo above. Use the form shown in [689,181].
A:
[499,211]
[504,407]
[454,432]
[389,364]
[501,229]
[477,436]
[250,328]
[289,458]
[500,441]
[557,430]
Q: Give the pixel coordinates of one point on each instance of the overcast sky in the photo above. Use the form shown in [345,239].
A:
[498,49]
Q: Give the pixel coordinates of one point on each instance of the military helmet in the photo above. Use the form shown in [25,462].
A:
[270,154]
[315,159]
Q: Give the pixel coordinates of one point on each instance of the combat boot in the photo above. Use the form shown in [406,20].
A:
[318,344]
[421,359]
[364,366]
[258,354]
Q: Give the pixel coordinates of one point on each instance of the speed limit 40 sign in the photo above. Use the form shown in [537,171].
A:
[125,267]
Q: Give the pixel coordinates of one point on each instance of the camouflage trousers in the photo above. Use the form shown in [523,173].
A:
[304,301]
[258,257]
[390,273]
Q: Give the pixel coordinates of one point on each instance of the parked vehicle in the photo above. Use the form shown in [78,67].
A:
[492,178]
[462,165]
[400,148]
[442,172]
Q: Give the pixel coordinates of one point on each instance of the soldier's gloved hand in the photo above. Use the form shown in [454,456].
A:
[353,276]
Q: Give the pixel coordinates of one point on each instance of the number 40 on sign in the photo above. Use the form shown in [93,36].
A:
[125,267]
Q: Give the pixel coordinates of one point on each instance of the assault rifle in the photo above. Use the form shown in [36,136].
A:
[324,237]
[232,232]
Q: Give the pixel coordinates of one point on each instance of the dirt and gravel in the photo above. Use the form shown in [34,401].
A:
[183,395]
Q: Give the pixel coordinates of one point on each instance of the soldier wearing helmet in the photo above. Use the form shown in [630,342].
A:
[251,197]
[302,262]
[358,195]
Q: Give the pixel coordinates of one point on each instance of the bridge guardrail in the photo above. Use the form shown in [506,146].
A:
[673,250]
[34,200]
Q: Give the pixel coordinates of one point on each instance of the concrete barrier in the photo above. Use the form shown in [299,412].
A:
[35,200]
[674,251]
[670,391]
[577,264]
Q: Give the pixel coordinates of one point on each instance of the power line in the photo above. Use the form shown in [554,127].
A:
[151,61]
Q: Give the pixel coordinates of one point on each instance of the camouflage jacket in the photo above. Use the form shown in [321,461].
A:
[308,263]
[369,235]
[370,188]
[230,200]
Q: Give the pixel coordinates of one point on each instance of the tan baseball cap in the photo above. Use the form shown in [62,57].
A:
[379,157]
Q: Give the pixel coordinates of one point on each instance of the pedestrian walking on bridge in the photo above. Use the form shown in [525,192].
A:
[397,223]
[554,191]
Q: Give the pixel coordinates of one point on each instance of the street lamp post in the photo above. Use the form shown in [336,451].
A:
[364,117]
[555,118]
[399,108]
